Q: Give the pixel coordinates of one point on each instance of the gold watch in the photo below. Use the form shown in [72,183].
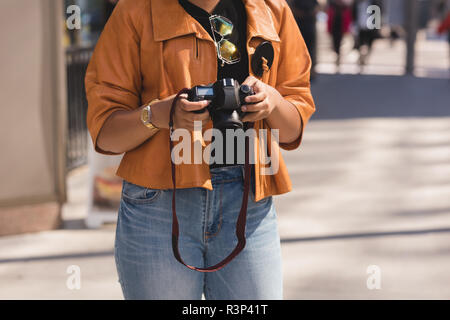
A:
[146,116]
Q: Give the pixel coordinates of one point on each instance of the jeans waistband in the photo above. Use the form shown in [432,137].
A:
[227,173]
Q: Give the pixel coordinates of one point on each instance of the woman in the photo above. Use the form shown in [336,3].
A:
[365,37]
[305,12]
[148,52]
[339,21]
[445,27]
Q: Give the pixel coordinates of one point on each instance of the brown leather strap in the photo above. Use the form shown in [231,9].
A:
[242,219]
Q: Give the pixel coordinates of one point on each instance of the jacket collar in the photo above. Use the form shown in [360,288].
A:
[170,20]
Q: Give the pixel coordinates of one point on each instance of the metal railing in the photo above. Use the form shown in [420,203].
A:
[77,60]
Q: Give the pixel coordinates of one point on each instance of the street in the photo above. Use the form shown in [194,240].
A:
[371,188]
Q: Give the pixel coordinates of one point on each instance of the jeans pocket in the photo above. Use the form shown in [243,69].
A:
[251,196]
[262,201]
[133,193]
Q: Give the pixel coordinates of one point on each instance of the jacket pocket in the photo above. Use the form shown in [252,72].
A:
[137,194]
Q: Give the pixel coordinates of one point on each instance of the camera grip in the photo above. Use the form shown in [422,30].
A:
[193,96]
[244,92]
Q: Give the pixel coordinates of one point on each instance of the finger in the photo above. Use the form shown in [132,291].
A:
[191,122]
[255,116]
[190,106]
[250,81]
[259,86]
[188,125]
[179,125]
[261,106]
[261,96]
[201,116]
[194,115]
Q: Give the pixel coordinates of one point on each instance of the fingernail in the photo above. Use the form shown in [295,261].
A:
[244,109]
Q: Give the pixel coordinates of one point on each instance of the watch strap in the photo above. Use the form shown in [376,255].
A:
[148,121]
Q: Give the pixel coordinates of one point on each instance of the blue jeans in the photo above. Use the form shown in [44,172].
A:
[145,262]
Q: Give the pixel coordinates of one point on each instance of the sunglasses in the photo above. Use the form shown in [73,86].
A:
[227,51]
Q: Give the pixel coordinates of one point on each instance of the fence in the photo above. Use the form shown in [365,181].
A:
[77,60]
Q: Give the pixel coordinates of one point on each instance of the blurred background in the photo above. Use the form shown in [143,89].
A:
[369,215]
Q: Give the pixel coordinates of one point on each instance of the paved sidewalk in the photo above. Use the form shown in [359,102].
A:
[369,192]
[371,187]
[432,55]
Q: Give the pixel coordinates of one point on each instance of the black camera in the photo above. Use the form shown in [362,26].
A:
[227,98]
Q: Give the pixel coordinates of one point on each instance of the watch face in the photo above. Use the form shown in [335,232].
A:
[145,118]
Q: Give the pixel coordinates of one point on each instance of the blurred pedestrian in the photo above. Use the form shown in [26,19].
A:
[305,13]
[365,35]
[394,11]
[445,27]
[339,21]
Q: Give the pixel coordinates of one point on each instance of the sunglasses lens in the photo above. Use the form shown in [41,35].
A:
[222,26]
[228,51]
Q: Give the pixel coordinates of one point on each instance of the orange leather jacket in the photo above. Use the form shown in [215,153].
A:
[151,49]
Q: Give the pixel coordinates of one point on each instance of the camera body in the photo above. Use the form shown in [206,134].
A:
[227,98]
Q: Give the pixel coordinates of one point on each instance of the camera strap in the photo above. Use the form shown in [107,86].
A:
[242,218]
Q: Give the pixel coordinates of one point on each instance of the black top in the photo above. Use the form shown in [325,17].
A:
[235,11]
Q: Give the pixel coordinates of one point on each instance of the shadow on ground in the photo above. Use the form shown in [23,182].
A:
[368,96]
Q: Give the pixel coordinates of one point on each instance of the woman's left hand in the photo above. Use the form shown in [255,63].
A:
[262,103]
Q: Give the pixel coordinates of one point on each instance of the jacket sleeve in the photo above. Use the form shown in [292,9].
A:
[293,78]
[113,77]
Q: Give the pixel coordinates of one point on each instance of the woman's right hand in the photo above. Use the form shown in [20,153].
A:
[184,115]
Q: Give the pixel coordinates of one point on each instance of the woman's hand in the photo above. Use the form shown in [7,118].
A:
[263,102]
[184,115]
[271,106]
